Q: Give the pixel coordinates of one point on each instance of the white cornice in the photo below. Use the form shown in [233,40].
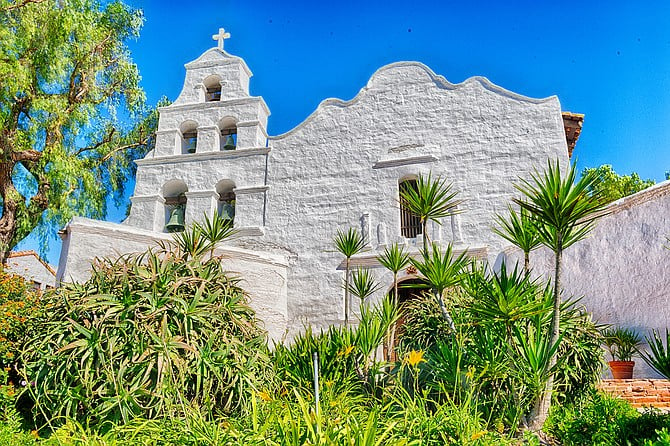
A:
[173,108]
[381,164]
[130,233]
[202,156]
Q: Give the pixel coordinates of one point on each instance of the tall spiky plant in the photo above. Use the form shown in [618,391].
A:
[363,284]
[565,212]
[215,230]
[394,259]
[442,271]
[432,199]
[348,243]
[519,229]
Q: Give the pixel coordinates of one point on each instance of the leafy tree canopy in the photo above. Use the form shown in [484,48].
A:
[68,91]
[613,186]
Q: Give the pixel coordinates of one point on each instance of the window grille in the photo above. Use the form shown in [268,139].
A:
[410,224]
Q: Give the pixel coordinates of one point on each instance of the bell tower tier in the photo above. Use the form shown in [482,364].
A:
[211,151]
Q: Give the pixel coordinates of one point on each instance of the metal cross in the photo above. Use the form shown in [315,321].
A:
[220,37]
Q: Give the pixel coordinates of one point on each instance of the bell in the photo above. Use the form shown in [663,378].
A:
[176,222]
[230,143]
[227,211]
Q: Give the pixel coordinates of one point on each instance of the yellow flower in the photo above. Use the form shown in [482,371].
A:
[346,351]
[415,357]
[470,373]
[477,435]
[264,396]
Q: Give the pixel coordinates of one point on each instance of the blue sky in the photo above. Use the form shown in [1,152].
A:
[608,60]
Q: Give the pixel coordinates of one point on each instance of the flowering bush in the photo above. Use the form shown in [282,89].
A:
[20,309]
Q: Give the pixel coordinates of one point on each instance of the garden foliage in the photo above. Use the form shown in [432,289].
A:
[147,335]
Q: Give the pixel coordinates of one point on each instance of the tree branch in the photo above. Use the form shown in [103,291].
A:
[19,5]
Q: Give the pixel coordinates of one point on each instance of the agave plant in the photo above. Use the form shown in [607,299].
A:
[348,243]
[659,358]
[431,200]
[147,335]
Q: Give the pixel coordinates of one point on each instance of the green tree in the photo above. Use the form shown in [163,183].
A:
[565,211]
[67,86]
[432,199]
[612,186]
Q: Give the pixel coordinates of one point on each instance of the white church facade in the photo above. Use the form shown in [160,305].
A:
[342,167]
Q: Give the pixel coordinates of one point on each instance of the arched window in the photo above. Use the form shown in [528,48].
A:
[189,137]
[228,134]
[174,193]
[226,205]
[410,224]
[212,89]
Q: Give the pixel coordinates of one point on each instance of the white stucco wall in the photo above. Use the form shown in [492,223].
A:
[347,158]
[622,268]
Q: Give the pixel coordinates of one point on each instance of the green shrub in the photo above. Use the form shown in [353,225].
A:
[347,355]
[498,345]
[604,420]
[148,335]
[20,309]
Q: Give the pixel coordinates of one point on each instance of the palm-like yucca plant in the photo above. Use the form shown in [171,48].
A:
[394,259]
[519,229]
[432,199]
[659,358]
[363,284]
[348,243]
[507,297]
[215,230]
[564,212]
[441,270]
[147,335]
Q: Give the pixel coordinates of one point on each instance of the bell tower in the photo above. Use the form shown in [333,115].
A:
[212,143]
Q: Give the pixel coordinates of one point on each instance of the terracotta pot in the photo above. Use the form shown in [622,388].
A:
[622,369]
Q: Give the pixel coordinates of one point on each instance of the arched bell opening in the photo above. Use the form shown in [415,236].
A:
[212,88]
[226,203]
[228,134]
[189,137]
[174,194]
